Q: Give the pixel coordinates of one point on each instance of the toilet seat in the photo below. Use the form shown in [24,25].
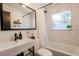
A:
[44,52]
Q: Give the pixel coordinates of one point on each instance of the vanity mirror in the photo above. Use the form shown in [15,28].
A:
[17,16]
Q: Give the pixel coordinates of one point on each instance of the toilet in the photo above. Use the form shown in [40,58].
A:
[44,52]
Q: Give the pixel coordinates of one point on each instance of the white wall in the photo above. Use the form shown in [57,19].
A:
[67,37]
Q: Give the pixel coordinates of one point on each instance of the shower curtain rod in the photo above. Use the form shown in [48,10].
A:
[45,6]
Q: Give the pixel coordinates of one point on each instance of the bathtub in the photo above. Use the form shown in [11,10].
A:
[60,49]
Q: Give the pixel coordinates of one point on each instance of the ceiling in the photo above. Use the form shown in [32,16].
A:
[42,4]
[37,5]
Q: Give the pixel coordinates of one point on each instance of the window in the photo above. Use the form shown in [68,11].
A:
[61,21]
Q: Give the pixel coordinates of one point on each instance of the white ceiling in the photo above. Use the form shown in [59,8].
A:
[36,5]
[42,4]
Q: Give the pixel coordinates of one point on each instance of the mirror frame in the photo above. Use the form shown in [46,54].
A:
[1,19]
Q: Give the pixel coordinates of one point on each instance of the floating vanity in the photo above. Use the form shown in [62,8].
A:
[12,48]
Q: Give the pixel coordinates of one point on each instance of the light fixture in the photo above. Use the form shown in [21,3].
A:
[23,6]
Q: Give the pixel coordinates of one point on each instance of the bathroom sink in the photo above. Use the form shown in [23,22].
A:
[14,47]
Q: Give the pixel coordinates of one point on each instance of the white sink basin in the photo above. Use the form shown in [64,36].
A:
[15,47]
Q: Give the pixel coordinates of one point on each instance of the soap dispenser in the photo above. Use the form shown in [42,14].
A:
[20,35]
[32,37]
[15,37]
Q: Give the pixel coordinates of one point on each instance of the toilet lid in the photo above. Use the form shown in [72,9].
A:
[44,52]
